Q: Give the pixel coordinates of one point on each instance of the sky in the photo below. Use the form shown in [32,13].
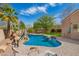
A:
[30,12]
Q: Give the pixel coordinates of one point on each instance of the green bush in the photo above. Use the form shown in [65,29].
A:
[30,30]
[54,34]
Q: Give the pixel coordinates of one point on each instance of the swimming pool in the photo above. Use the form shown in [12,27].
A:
[41,40]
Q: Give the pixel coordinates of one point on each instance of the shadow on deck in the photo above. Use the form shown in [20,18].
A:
[69,40]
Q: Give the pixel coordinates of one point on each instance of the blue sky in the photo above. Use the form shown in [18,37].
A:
[30,12]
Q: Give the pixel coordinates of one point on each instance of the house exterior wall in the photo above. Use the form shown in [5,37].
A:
[68,24]
[65,26]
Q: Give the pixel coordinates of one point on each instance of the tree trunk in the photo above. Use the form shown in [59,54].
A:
[8,29]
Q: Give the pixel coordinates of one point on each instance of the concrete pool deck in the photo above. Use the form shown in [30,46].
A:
[68,48]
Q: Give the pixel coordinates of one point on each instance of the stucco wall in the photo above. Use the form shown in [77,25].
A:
[69,22]
[65,27]
[75,20]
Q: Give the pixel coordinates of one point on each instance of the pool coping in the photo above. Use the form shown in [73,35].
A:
[49,36]
[41,34]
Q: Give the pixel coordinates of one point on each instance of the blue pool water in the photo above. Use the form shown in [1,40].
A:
[40,40]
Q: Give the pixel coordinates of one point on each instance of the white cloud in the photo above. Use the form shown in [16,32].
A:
[52,4]
[58,18]
[60,3]
[42,9]
[29,11]
[55,4]
[57,15]
[34,10]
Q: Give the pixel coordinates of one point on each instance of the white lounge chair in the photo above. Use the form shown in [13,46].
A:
[33,50]
[48,53]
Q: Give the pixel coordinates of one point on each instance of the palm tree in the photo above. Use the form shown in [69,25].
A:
[8,15]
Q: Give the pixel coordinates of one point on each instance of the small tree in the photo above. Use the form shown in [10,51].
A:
[37,26]
[45,23]
[22,25]
[30,30]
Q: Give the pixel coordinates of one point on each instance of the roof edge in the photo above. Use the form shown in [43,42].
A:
[70,15]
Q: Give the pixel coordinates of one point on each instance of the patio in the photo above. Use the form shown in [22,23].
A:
[68,48]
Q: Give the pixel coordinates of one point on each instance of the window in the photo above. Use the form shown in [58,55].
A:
[78,28]
[69,30]
[75,26]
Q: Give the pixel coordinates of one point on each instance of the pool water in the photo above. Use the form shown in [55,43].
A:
[40,40]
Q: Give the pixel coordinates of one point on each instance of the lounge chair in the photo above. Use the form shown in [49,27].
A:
[33,50]
[14,51]
[48,53]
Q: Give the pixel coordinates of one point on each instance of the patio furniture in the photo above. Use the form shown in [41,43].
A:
[33,50]
[14,51]
[48,53]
